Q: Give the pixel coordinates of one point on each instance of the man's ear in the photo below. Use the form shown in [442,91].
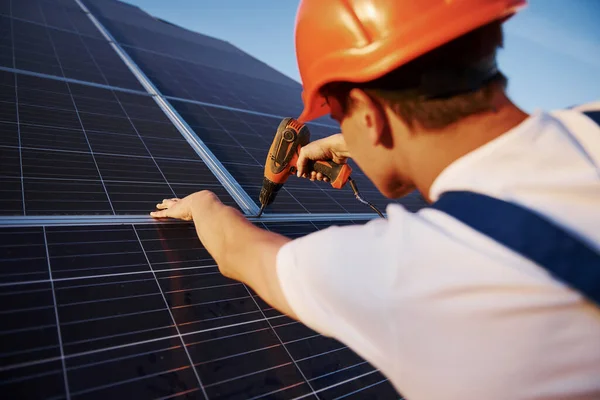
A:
[371,117]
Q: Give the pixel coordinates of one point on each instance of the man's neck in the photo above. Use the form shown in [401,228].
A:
[448,145]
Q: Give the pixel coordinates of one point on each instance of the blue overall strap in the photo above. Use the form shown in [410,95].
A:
[565,257]
[593,115]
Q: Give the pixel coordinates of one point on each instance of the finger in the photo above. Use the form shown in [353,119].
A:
[319,176]
[325,179]
[301,164]
[159,214]
[166,203]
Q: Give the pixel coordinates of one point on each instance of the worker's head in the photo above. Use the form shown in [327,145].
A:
[389,70]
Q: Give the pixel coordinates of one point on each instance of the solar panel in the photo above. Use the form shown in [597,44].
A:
[188,65]
[140,310]
[132,307]
[66,15]
[133,27]
[38,48]
[78,149]
[180,78]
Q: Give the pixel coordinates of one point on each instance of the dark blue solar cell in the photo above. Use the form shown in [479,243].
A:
[27,9]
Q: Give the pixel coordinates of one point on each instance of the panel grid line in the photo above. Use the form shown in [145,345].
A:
[14,61]
[72,80]
[44,107]
[58,329]
[45,25]
[178,394]
[81,123]
[282,343]
[91,151]
[262,396]
[102,153]
[243,110]
[28,377]
[139,378]
[338,384]
[339,370]
[94,60]
[171,314]
[361,389]
[146,147]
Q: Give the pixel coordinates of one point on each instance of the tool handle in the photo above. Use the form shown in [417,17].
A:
[338,174]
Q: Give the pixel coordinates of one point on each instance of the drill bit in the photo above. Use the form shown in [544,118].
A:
[262,208]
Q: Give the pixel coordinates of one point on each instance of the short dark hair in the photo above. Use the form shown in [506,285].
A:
[401,91]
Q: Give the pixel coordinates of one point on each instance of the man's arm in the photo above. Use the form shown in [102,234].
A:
[242,251]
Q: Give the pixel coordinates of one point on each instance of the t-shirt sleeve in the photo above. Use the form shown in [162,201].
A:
[339,281]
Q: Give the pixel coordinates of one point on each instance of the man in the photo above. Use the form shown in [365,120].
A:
[443,310]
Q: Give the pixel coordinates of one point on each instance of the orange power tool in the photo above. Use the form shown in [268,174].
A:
[282,162]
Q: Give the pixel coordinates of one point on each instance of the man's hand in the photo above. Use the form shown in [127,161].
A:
[183,208]
[330,148]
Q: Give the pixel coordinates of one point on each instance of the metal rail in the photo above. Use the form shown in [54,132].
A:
[87,220]
[75,81]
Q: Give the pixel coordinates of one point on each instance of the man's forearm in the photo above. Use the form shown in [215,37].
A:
[228,236]
[242,251]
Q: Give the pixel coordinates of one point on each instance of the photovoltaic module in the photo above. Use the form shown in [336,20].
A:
[104,111]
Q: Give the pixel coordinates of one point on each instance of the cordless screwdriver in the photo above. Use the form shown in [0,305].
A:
[282,161]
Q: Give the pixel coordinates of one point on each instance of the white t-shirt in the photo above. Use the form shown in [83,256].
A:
[446,313]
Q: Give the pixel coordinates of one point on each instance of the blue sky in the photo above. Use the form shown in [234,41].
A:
[551,54]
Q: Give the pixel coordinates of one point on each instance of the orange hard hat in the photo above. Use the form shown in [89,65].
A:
[362,40]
